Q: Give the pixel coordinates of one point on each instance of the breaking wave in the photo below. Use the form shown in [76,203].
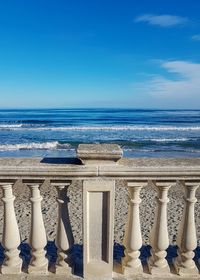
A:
[34,146]
[10,126]
[169,139]
[99,128]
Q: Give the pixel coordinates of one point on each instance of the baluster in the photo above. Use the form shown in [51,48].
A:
[159,239]
[11,237]
[133,238]
[38,239]
[64,237]
[186,239]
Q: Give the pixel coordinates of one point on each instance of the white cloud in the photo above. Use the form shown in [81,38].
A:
[196,37]
[162,20]
[182,86]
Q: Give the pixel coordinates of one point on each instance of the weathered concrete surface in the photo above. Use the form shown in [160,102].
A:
[72,162]
[44,168]
[160,162]
[99,153]
[98,219]
[56,168]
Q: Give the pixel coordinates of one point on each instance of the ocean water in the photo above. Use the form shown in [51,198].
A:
[141,133]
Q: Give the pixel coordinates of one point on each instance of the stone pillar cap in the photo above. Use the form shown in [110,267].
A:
[99,154]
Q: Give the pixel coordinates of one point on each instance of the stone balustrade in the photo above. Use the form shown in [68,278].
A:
[98,168]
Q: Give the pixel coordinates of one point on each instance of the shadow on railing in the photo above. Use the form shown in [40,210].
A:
[61,161]
[76,255]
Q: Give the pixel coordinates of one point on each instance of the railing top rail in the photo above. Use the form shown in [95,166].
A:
[135,168]
[74,162]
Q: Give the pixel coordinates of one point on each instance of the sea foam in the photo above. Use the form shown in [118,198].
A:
[34,146]
[101,128]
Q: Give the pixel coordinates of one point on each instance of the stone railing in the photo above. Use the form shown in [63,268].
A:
[98,167]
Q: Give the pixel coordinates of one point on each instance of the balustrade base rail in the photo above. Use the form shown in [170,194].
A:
[76,257]
[116,277]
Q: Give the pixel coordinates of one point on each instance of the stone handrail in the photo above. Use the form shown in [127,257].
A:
[98,167]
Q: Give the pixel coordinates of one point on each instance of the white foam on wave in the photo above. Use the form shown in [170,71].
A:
[10,126]
[102,128]
[133,127]
[33,146]
[168,139]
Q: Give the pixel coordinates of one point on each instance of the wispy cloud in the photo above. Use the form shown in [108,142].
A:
[183,84]
[196,37]
[162,20]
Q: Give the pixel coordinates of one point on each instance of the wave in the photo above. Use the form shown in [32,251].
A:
[30,125]
[169,139]
[10,126]
[122,128]
[130,146]
[100,128]
[34,146]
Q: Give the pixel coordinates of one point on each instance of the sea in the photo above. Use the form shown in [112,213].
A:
[140,132]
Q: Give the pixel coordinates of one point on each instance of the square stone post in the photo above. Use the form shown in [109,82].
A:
[98,212]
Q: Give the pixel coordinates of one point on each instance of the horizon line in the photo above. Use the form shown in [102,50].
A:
[99,108]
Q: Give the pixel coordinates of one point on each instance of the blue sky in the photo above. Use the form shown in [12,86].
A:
[97,53]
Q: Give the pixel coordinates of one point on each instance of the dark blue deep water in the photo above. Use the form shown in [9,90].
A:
[141,133]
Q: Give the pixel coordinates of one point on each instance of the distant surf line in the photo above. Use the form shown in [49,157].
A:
[99,128]
[54,145]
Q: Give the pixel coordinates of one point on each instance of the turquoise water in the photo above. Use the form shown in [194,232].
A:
[141,133]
